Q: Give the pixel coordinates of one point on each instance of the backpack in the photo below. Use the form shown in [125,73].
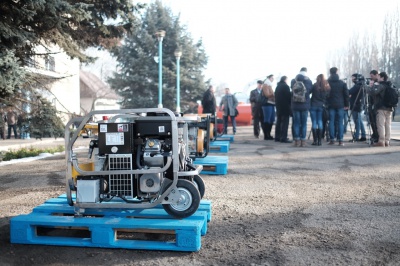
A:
[299,92]
[390,97]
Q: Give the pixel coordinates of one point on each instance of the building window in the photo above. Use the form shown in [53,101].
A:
[49,63]
[30,61]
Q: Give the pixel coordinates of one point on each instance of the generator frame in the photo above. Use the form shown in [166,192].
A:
[169,193]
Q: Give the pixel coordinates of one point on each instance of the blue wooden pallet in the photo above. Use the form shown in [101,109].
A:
[230,138]
[213,165]
[53,223]
[219,146]
[205,206]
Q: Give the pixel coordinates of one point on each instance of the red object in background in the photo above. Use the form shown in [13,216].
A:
[105,118]
[244,117]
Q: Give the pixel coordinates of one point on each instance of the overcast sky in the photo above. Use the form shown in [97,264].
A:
[246,40]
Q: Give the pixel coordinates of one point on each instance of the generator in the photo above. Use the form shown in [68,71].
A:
[140,158]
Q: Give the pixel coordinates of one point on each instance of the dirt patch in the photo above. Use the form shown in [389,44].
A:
[278,205]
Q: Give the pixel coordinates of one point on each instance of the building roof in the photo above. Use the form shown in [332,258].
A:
[92,86]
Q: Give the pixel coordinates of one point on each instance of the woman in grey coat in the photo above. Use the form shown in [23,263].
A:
[228,105]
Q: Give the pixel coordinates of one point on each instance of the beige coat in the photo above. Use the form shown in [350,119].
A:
[268,92]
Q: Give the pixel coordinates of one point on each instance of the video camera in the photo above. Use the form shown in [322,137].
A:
[360,80]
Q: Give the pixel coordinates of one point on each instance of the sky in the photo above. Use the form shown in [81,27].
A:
[248,40]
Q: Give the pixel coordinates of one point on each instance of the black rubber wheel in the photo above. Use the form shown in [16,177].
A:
[189,201]
[70,185]
[199,184]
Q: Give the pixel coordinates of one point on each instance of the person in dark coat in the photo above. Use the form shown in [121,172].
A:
[300,110]
[383,112]
[356,95]
[208,102]
[319,91]
[283,99]
[338,102]
[256,110]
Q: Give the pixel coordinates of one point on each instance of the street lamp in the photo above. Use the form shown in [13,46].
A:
[178,54]
[160,35]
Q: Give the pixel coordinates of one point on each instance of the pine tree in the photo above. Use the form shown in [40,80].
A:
[71,25]
[44,121]
[137,78]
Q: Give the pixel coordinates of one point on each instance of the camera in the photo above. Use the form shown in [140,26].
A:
[359,79]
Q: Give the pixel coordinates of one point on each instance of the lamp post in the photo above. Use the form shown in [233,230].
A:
[160,35]
[178,54]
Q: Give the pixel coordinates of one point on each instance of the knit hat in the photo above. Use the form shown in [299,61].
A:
[303,69]
[260,82]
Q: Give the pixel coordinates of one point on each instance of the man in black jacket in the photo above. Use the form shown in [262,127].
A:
[208,102]
[283,99]
[356,94]
[374,75]
[338,102]
[256,111]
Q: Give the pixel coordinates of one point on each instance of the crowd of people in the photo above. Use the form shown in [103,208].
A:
[328,101]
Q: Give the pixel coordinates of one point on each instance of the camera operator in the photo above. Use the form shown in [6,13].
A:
[371,107]
[338,102]
[356,94]
[384,114]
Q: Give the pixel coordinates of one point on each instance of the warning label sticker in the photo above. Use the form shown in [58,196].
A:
[115,138]
[103,128]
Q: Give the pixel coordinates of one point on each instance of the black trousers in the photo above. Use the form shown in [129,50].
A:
[14,127]
[281,127]
[256,125]
[372,121]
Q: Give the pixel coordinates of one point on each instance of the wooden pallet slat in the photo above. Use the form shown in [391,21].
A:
[219,146]
[230,138]
[213,165]
[205,205]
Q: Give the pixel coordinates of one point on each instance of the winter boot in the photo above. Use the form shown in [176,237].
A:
[296,143]
[303,143]
[314,135]
[319,136]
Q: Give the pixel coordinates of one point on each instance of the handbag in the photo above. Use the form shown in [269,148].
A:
[262,99]
[325,114]
[236,112]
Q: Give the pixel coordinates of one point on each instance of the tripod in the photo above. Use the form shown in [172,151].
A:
[348,122]
[367,109]
[365,105]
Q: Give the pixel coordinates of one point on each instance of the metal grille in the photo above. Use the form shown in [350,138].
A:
[120,184]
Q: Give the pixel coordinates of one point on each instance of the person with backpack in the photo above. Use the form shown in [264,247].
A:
[338,102]
[301,89]
[385,98]
[320,91]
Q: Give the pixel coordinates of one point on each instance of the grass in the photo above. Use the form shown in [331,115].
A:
[28,152]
